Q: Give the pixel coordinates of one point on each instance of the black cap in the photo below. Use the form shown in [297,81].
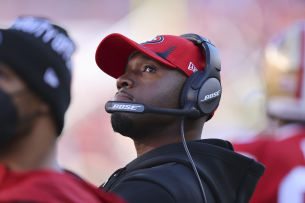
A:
[40,53]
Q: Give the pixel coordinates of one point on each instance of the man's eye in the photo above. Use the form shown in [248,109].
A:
[149,68]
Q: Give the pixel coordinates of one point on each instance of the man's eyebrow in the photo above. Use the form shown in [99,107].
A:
[147,58]
[142,56]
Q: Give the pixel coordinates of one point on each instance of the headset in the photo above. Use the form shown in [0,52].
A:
[200,95]
[202,90]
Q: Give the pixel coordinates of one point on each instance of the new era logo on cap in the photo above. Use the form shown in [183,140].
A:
[173,51]
[192,67]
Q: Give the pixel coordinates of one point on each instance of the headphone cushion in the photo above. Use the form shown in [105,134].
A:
[187,90]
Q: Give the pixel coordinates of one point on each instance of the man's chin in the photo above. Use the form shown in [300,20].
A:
[121,123]
[124,123]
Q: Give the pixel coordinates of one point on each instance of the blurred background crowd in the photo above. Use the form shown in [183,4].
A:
[240,30]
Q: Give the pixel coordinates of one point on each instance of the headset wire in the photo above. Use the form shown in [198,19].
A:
[191,160]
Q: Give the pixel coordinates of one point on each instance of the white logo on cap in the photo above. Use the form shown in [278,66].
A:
[60,42]
[51,78]
[155,40]
[192,67]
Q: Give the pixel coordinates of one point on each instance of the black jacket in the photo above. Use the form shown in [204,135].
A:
[164,175]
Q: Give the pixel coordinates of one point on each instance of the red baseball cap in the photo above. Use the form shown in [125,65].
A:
[176,52]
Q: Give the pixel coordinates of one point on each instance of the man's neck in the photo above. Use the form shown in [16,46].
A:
[151,144]
[166,135]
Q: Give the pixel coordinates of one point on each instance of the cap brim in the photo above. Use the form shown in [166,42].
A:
[112,54]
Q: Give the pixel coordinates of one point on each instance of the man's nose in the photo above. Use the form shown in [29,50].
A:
[124,81]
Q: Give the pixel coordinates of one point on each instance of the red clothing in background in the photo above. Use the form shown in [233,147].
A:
[49,186]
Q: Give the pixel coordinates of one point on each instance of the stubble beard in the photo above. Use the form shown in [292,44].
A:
[126,125]
[122,124]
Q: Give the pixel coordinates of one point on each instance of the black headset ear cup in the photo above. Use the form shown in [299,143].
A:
[209,96]
[201,92]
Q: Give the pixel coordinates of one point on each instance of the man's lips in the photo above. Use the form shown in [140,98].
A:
[123,96]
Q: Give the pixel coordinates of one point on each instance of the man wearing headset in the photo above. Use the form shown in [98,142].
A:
[35,80]
[150,78]
[281,146]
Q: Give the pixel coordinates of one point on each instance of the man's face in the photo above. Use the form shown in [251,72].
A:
[152,83]
[26,102]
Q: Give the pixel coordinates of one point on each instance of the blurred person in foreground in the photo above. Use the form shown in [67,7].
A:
[281,147]
[35,81]
[175,82]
